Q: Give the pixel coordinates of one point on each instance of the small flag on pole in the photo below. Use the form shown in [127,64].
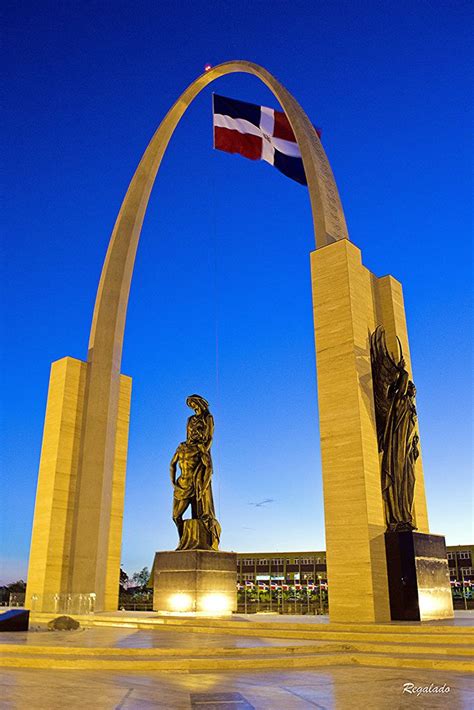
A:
[258,133]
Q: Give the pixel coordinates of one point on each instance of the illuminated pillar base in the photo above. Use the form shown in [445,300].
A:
[418,577]
[195,582]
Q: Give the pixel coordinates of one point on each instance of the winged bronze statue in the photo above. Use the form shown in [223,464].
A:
[395,415]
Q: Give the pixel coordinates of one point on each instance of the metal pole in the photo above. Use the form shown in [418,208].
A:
[270,582]
[463,591]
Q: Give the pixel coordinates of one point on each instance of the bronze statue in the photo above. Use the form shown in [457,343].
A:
[395,415]
[193,485]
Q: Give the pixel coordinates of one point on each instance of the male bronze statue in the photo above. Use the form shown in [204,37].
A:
[193,486]
[397,435]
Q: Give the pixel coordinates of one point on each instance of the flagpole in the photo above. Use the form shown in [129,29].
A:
[213,129]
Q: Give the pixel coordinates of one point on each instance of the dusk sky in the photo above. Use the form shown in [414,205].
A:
[221,301]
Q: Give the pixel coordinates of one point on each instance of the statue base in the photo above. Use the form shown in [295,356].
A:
[195,536]
[418,576]
[195,582]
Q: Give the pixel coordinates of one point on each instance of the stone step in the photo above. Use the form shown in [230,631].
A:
[308,631]
[237,662]
[394,648]
[124,619]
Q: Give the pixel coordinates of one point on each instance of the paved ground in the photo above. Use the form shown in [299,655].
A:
[143,638]
[332,688]
[461,618]
[338,688]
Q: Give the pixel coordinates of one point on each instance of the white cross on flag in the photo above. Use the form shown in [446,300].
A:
[258,133]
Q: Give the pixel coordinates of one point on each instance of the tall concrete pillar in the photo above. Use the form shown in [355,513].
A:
[54,550]
[349,302]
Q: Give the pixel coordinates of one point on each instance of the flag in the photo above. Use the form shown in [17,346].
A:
[258,133]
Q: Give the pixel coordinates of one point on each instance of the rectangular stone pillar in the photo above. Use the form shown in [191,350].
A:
[354,516]
[49,561]
[349,302]
[51,554]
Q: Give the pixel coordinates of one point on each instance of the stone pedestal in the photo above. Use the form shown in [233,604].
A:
[418,576]
[200,582]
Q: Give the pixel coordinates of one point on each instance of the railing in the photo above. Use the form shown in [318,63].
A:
[135,606]
[63,603]
[298,602]
[293,608]
[17,599]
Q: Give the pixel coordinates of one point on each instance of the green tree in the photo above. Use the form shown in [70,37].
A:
[140,579]
[124,579]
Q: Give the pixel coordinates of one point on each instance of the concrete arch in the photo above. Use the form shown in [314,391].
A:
[95,472]
[77,528]
[328,216]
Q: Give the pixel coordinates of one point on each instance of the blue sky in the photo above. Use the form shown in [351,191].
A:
[220,302]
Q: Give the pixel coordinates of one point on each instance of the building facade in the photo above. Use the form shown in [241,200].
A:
[286,567]
[460,563]
[307,567]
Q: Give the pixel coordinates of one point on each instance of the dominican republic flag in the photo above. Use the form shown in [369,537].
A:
[258,133]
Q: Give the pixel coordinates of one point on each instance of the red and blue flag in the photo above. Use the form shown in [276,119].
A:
[258,133]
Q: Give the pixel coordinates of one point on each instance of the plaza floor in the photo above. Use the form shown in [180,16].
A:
[329,689]
[265,662]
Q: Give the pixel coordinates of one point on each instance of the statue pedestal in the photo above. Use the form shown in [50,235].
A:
[418,576]
[197,582]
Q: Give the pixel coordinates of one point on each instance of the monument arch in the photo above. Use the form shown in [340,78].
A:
[76,538]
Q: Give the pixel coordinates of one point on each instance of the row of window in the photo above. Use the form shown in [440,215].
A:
[279,561]
[461,555]
[249,576]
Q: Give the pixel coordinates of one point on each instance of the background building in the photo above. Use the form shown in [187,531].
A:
[287,567]
[309,566]
[460,563]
